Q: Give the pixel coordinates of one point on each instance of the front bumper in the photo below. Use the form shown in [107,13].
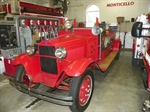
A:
[46,96]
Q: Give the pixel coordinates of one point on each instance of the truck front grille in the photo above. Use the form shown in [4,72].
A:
[48,65]
[47,50]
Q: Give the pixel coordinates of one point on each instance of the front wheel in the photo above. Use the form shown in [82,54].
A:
[81,90]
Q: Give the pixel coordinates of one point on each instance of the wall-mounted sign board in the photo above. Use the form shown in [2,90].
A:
[120,4]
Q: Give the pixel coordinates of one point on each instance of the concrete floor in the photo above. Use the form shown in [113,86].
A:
[120,90]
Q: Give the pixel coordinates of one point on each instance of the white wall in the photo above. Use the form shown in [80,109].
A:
[77,9]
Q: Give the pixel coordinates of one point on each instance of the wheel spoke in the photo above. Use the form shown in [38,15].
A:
[85,90]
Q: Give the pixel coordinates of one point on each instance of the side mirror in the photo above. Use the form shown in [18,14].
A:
[136,29]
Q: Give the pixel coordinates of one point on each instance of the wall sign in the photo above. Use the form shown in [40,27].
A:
[120,4]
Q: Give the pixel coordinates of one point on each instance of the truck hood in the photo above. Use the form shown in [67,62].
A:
[65,40]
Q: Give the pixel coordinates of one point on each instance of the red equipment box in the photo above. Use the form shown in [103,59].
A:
[9,67]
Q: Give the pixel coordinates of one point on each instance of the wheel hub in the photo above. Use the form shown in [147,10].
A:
[85,90]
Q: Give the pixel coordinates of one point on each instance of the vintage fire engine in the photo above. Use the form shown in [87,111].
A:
[141,30]
[60,58]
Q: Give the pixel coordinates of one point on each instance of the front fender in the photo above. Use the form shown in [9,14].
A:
[30,63]
[77,67]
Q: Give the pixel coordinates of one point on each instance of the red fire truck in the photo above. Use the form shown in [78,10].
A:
[141,30]
[141,46]
[62,57]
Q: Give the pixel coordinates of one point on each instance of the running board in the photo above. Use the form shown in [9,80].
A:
[108,60]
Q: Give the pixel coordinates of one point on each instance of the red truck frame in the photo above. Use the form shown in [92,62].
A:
[64,61]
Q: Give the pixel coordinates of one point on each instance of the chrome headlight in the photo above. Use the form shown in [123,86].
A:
[60,52]
[68,24]
[96,30]
[30,50]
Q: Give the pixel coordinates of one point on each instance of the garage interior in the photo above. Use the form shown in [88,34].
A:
[120,89]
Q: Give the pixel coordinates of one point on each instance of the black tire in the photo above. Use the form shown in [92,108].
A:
[86,79]
[18,76]
[144,76]
[118,56]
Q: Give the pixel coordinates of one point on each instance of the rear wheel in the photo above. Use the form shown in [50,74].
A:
[20,76]
[144,75]
[118,56]
[81,90]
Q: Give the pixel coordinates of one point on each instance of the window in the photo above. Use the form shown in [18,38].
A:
[92,12]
